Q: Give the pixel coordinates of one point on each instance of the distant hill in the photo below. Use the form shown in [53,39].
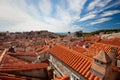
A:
[103,31]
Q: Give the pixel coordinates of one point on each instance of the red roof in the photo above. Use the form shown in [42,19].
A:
[112,41]
[2,55]
[21,67]
[13,64]
[43,50]
[95,48]
[23,54]
[12,60]
[77,61]
[6,76]
[92,38]
[62,78]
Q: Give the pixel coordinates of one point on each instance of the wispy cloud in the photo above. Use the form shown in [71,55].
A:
[23,16]
[76,6]
[102,20]
[109,13]
[98,4]
[65,16]
[93,4]
[19,17]
[45,7]
[87,17]
[56,16]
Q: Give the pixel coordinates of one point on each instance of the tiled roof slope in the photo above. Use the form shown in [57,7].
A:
[12,60]
[43,50]
[6,76]
[77,61]
[32,54]
[23,54]
[2,55]
[112,41]
[21,67]
[13,64]
[92,38]
[62,78]
[95,48]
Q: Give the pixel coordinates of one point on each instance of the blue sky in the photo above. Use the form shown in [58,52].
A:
[59,15]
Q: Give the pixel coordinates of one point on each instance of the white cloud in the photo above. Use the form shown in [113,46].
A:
[97,3]
[9,11]
[100,21]
[64,15]
[16,16]
[87,17]
[20,16]
[109,13]
[34,11]
[93,4]
[76,5]
[45,6]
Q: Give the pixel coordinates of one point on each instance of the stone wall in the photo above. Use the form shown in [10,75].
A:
[61,69]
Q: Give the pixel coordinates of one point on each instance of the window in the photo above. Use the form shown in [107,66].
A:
[102,62]
[74,77]
[96,60]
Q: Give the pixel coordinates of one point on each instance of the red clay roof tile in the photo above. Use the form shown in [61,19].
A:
[21,67]
[62,78]
[6,76]
[75,60]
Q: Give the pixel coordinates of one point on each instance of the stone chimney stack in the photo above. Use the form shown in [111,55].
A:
[102,66]
[113,54]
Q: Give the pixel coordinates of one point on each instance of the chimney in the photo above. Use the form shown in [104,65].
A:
[101,66]
[114,50]
[113,54]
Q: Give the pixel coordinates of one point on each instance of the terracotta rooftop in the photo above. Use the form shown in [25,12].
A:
[12,60]
[78,43]
[77,61]
[43,50]
[92,38]
[10,63]
[62,78]
[20,49]
[23,54]
[112,41]
[39,49]
[21,67]
[80,49]
[6,76]
[95,48]
[2,55]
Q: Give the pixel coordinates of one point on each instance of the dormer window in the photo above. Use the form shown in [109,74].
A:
[96,60]
[102,63]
